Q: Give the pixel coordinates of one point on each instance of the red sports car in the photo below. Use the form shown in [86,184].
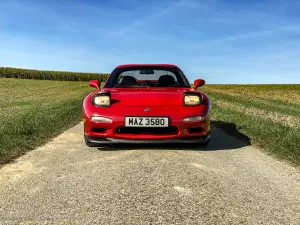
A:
[146,103]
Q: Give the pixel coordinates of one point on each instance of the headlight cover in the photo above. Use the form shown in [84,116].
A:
[192,99]
[101,100]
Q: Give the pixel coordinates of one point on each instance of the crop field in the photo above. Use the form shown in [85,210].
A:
[33,111]
[267,114]
[9,72]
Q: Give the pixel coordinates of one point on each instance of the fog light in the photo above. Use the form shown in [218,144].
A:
[100,119]
[193,118]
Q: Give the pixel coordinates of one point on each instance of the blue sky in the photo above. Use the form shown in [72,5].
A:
[229,41]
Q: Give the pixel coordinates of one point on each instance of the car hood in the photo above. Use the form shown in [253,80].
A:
[148,96]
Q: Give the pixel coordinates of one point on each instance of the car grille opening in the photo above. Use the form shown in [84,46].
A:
[148,130]
[195,130]
[98,130]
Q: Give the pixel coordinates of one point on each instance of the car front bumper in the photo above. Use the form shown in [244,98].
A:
[97,140]
[105,133]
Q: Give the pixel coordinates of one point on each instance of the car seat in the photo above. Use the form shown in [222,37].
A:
[166,80]
[128,80]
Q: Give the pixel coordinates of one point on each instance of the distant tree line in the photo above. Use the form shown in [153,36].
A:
[10,72]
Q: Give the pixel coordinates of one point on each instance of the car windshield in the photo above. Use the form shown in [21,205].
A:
[147,77]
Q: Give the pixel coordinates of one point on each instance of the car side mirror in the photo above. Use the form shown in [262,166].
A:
[95,84]
[199,83]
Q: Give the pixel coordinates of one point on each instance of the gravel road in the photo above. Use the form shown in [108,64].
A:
[65,182]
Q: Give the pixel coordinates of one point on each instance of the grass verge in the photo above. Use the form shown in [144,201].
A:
[265,119]
[32,112]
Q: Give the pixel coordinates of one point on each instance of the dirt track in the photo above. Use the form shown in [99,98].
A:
[65,182]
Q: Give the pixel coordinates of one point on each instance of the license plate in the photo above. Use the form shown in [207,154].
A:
[146,122]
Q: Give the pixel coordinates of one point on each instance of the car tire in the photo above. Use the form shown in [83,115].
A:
[91,144]
[206,142]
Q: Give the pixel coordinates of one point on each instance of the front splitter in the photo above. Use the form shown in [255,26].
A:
[202,139]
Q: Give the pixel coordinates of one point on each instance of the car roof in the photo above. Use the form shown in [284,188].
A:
[152,65]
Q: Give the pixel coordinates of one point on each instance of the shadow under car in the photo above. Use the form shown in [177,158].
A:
[224,136]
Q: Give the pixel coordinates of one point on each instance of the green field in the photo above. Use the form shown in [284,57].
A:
[268,114]
[33,111]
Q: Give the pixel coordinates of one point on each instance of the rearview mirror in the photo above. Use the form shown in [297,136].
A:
[199,83]
[95,84]
[146,71]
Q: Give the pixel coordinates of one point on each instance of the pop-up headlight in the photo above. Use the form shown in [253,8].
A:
[191,99]
[101,99]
